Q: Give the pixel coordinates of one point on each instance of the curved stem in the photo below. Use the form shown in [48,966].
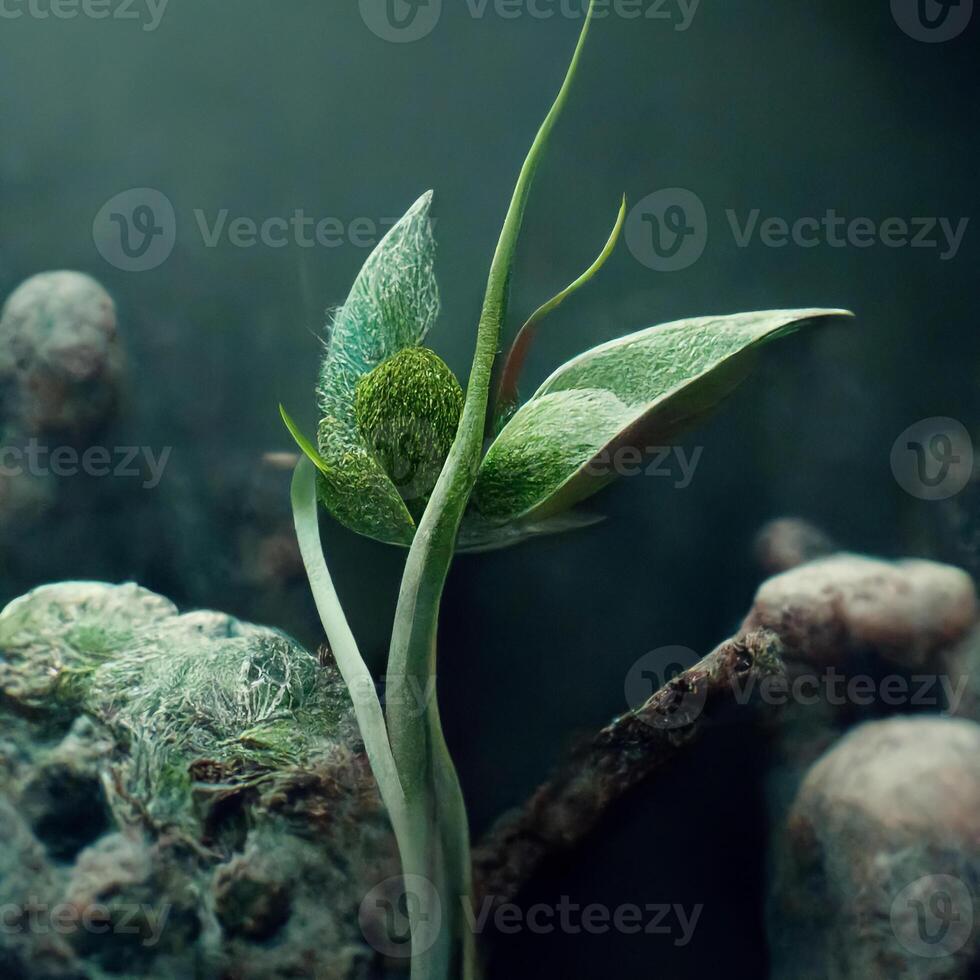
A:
[514,365]
[353,669]
[427,774]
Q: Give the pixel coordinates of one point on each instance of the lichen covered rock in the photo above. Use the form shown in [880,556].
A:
[180,795]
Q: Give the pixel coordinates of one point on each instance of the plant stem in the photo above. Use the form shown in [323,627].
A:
[353,669]
[510,377]
[428,777]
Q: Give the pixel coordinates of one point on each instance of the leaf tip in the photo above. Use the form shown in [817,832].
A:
[301,441]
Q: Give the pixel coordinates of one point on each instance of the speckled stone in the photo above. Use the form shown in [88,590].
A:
[877,862]
[180,795]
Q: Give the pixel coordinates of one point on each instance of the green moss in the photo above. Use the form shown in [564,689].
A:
[407,411]
[189,699]
[248,704]
[54,638]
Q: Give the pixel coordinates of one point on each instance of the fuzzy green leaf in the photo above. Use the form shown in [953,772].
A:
[638,391]
[392,305]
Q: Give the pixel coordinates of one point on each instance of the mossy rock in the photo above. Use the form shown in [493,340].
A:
[150,759]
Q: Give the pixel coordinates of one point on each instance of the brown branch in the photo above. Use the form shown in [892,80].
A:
[563,811]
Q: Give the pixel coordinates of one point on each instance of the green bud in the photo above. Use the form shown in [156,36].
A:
[407,411]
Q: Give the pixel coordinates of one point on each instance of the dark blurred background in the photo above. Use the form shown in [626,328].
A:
[266,108]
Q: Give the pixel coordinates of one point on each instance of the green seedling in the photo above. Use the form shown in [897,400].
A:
[403,457]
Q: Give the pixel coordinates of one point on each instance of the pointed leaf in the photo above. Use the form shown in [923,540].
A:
[392,305]
[304,444]
[507,397]
[636,391]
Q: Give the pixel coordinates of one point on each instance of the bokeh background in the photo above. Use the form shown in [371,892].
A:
[265,108]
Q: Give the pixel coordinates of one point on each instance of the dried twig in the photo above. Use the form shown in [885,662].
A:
[564,810]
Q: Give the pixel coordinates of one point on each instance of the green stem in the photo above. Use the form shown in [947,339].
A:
[510,377]
[353,669]
[428,777]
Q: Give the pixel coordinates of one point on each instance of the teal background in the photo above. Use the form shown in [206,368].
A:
[263,108]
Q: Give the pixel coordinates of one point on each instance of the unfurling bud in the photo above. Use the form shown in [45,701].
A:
[407,411]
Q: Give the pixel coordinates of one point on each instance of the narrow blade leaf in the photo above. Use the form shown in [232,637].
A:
[507,396]
[304,444]
[353,669]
